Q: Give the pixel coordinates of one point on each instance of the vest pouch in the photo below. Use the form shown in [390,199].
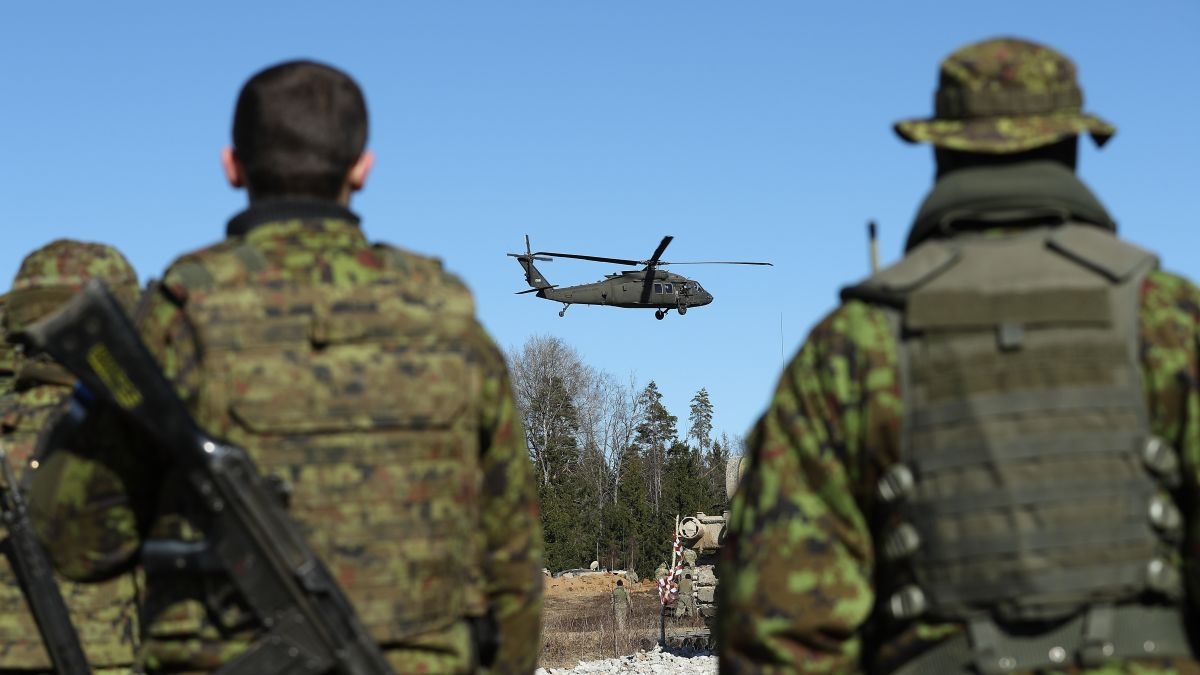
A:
[349,388]
[1024,429]
[373,439]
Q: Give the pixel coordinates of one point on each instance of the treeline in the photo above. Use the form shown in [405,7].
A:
[612,468]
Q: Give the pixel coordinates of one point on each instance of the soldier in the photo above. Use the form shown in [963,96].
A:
[661,571]
[104,614]
[356,375]
[622,605]
[685,604]
[977,462]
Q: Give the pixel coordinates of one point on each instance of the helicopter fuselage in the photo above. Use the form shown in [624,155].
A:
[649,287]
[629,289]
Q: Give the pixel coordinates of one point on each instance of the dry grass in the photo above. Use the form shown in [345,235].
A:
[580,628]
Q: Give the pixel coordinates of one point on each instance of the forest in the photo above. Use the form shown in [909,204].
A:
[612,469]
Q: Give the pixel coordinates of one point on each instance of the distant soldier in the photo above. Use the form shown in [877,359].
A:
[621,604]
[632,576]
[689,558]
[104,615]
[986,459]
[661,571]
[685,604]
[355,374]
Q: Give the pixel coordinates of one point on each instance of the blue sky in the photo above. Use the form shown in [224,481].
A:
[749,131]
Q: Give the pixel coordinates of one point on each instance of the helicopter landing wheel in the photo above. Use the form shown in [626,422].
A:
[563,311]
[659,314]
[682,309]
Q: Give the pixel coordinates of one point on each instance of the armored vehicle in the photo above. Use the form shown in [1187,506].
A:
[701,537]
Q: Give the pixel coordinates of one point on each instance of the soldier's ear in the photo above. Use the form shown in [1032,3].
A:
[235,173]
[357,177]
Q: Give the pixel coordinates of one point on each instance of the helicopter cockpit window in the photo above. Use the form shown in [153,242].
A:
[668,289]
[658,288]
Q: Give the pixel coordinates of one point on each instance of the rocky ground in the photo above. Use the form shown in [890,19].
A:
[656,661]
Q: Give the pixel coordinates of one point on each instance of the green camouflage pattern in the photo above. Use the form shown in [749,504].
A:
[57,270]
[267,265]
[7,353]
[796,587]
[104,614]
[1004,96]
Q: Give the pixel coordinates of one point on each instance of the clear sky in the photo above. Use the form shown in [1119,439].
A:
[749,131]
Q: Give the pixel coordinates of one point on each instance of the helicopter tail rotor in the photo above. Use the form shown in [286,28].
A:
[533,277]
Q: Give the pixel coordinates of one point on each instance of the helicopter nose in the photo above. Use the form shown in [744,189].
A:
[707,298]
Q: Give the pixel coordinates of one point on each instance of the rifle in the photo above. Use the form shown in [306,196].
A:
[309,626]
[36,578]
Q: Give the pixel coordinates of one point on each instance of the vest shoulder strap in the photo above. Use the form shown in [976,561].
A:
[1100,251]
[892,285]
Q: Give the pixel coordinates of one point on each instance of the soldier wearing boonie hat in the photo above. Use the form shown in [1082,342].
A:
[1004,96]
[980,461]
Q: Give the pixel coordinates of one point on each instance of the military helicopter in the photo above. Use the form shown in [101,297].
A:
[648,287]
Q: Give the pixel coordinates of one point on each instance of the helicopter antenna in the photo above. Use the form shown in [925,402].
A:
[873,243]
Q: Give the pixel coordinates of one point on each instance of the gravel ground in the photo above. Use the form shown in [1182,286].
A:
[659,662]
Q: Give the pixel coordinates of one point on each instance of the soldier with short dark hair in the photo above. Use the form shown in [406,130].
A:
[358,378]
[621,604]
[986,460]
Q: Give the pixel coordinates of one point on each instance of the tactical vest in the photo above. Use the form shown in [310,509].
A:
[362,401]
[1030,500]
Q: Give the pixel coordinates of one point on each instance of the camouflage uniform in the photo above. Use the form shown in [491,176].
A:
[804,554]
[358,377]
[622,606]
[685,604]
[7,354]
[104,614]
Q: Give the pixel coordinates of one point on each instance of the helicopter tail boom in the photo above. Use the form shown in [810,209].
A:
[533,276]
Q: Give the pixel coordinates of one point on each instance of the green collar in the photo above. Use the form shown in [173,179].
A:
[1016,195]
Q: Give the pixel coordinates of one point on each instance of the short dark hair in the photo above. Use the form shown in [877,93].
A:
[298,128]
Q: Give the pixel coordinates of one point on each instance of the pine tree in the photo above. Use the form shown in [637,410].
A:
[630,520]
[700,419]
[655,434]
[715,463]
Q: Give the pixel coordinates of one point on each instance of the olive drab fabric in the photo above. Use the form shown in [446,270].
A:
[806,572]
[1002,96]
[104,614]
[1029,487]
[360,382]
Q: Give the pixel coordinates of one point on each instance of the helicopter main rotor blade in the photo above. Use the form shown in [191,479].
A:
[659,251]
[716,262]
[594,258]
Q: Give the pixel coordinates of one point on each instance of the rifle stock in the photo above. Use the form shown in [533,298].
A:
[309,625]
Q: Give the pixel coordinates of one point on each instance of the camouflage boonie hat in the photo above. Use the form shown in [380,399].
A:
[52,274]
[1003,96]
